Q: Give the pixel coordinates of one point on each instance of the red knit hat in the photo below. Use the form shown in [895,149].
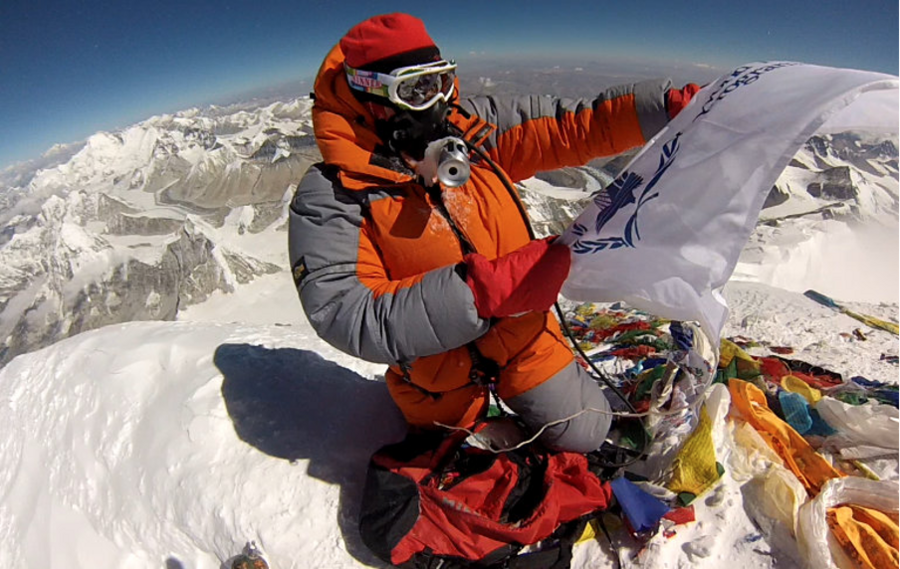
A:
[387,42]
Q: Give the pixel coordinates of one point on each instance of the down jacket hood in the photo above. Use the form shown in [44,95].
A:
[345,130]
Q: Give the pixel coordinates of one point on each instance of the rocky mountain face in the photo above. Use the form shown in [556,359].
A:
[847,175]
[137,224]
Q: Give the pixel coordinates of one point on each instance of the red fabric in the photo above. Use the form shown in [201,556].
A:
[773,369]
[384,36]
[472,521]
[626,327]
[681,515]
[634,352]
[527,279]
[678,99]
[817,381]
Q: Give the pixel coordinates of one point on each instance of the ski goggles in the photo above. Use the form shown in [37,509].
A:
[414,88]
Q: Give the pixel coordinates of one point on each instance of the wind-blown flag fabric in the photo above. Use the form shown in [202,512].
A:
[666,235]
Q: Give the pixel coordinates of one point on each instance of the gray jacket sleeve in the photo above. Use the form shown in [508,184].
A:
[426,316]
[536,133]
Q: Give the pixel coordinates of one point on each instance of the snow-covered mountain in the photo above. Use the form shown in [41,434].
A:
[848,175]
[138,224]
[171,444]
[839,195]
[142,223]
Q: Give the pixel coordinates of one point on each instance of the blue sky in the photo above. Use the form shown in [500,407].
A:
[71,68]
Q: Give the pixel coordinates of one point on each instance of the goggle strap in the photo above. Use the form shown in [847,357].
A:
[366,81]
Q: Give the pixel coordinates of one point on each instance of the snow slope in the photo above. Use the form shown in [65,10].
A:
[139,223]
[155,444]
[172,444]
[177,441]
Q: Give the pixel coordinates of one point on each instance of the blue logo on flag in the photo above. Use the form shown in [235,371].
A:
[619,195]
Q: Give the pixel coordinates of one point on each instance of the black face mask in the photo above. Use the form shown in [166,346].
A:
[411,131]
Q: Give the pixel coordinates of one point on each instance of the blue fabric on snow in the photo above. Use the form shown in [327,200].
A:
[860,380]
[796,411]
[819,426]
[642,510]
[883,392]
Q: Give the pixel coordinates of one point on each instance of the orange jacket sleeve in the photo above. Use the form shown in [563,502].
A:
[538,133]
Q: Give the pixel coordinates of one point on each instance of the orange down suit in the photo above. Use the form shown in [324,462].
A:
[374,254]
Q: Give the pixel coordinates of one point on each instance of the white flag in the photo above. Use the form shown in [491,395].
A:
[666,234]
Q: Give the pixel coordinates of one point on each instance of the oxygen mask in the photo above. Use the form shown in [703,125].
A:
[446,161]
[410,132]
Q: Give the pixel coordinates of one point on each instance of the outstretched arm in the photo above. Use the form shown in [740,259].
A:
[537,133]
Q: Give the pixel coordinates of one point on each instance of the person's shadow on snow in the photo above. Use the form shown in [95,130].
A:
[294,404]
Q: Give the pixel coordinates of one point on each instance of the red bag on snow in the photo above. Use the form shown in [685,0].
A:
[429,500]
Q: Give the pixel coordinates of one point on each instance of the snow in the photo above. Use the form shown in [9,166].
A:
[152,443]
[824,255]
[270,299]
[159,440]
[172,444]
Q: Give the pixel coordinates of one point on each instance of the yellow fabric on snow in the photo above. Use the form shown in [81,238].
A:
[694,469]
[794,384]
[728,350]
[868,536]
[873,322]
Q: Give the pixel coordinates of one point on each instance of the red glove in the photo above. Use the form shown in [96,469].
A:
[527,279]
[677,99]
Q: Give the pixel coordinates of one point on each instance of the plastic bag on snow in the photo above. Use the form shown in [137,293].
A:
[816,541]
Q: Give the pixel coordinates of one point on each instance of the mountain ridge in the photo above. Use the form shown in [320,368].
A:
[143,222]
